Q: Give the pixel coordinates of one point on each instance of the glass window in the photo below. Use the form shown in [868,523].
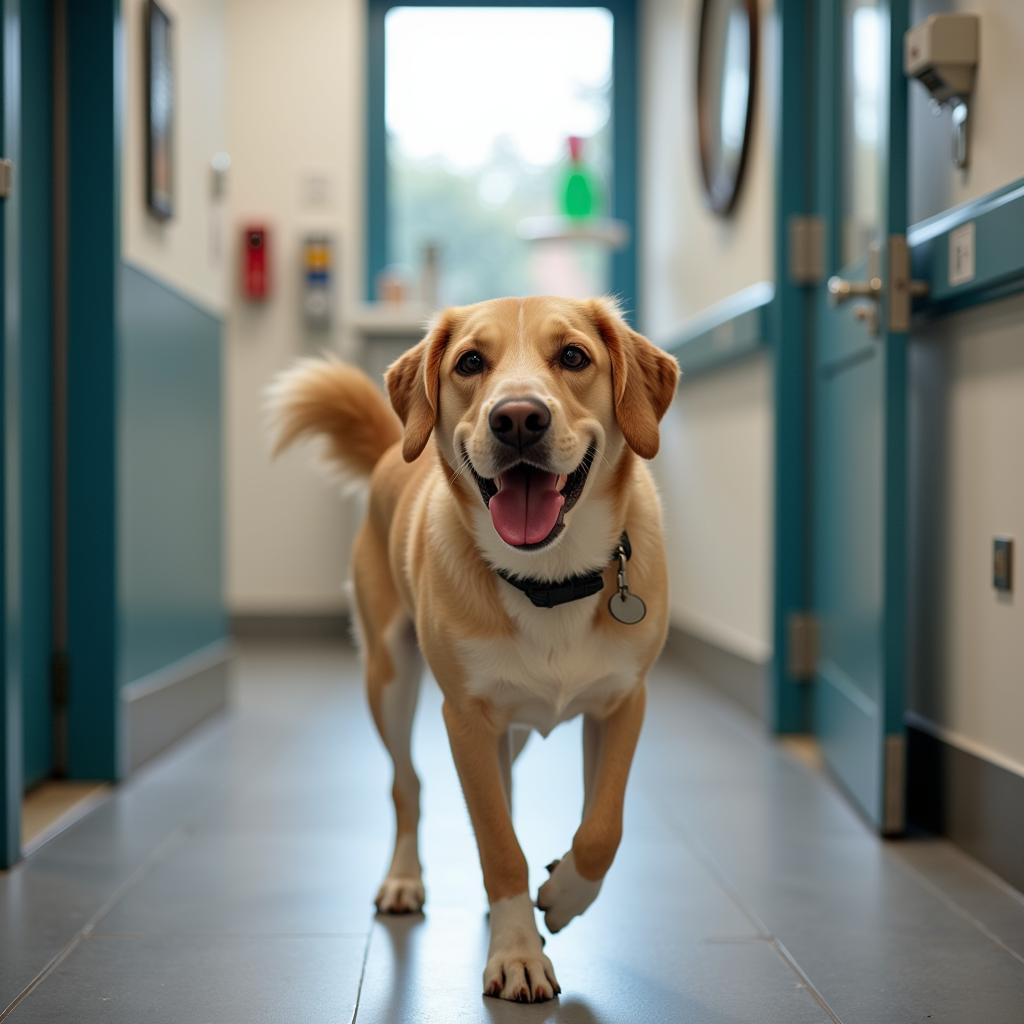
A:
[480,104]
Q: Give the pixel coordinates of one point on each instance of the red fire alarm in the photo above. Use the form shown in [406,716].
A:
[255,262]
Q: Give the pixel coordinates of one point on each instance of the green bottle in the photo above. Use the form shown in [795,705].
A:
[579,189]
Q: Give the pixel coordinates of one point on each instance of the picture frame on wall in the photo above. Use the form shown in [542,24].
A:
[159,111]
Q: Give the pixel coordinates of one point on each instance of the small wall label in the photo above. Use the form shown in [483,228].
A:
[961,254]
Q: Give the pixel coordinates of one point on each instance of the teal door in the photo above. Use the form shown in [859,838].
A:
[26,309]
[11,764]
[35,188]
[858,368]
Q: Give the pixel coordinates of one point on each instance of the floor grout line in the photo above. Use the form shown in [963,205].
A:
[791,962]
[704,857]
[952,904]
[362,972]
[150,861]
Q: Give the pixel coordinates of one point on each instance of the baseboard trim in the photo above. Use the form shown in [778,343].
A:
[744,681]
[161,708]
[977,804]
[335,625]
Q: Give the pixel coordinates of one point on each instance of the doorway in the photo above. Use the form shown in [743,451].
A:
[858,395]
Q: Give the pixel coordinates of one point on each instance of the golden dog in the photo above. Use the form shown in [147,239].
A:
[513,537]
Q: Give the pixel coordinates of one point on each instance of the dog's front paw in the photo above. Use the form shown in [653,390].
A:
[521,975]
[566,894]
[517,968]
[400,896]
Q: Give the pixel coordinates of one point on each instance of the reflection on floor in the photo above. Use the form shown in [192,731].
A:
[231,882]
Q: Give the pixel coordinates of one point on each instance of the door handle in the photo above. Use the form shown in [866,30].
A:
[840,290]
[897,295]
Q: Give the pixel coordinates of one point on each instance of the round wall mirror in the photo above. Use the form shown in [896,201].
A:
[726,72]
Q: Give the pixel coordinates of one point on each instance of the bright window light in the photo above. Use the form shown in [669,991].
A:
[479,105]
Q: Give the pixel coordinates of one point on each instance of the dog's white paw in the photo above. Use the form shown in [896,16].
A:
[520,976]
[566,894]
[400,896]
[517,968]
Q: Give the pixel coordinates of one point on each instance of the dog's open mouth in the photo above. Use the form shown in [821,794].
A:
[528,504]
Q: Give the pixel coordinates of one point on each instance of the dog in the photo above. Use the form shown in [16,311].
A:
[513,539]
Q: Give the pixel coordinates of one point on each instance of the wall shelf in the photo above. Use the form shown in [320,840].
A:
[389,320]
[606,231]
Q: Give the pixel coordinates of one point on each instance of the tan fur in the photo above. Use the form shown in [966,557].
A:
[327,398]
[425,559]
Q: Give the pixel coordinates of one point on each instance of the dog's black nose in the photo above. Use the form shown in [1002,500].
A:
[520,422]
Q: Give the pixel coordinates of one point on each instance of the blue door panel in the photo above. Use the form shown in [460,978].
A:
[859,414]
[35,183]
[11,761]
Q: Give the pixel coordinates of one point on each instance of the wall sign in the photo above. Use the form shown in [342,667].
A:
[961,254]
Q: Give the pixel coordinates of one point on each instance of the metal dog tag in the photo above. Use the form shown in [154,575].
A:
[624,606]
[627,608]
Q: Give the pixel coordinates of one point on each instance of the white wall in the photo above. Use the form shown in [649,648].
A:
[997,150]
[715,474]
[301,66]
[295,114]
[186,252]
[691,257]
[716,468]
[968,421]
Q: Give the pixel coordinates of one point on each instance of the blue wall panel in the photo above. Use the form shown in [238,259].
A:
[169,478]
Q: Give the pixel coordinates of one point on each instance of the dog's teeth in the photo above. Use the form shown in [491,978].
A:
[561,482]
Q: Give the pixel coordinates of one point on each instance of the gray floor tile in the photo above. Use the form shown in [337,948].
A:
[215,980]
[428,971]
[975,892]
[239,871]
[296,884]
[880,944]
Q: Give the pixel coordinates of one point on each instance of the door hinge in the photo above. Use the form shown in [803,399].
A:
[802,645]
[60,689]
[6,178]
[893,809]
[806,249]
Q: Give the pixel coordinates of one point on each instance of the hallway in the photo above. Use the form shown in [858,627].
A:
[231,880]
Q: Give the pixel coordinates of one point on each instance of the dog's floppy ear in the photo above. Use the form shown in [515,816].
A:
[413,381]
[644,377]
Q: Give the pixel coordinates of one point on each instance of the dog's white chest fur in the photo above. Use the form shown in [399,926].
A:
[555,667]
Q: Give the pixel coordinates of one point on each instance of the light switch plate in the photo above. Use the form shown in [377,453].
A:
[1002,564]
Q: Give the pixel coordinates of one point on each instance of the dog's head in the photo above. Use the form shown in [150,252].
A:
[528,400]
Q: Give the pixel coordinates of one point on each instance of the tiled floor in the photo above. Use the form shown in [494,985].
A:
[231,882]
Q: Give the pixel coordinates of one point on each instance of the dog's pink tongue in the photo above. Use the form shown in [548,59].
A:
[526,506]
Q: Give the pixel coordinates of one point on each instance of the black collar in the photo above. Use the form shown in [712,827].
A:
[550,594]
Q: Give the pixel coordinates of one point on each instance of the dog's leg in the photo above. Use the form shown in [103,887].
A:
[516,968]
[394,667]
[402,891]
[513,739]
[608,747]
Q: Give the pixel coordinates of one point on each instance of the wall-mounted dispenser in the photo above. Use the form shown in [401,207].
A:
[942,54]
[317,271]
[255,262]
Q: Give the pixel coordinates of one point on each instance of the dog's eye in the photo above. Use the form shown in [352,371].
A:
[573,358]
[470,364]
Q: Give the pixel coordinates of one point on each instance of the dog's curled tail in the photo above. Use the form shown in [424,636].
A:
[328,399]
